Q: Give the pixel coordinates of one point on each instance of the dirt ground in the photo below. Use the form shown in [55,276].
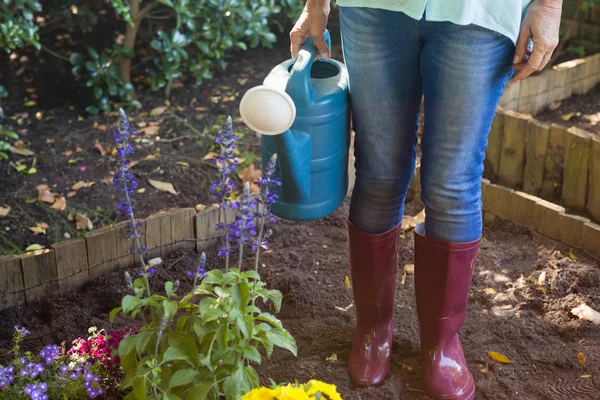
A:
[522,318]
[582,111]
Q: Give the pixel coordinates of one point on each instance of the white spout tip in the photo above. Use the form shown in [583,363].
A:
[267,111]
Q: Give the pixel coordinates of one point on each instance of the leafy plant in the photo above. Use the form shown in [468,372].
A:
[201,345]
[18,28]
[4,145]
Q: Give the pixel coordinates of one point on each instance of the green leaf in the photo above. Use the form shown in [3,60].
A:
[243,327]
[276,297]
[232,386]
[139,387]
[283,339]
[251,353]
[128,303]
[270,319]
[114,313]
[169,288]
[92,109]
[222,335]
[186,343]
[174,353]
[250,378]
[211,314]
[241,294]
[127,345]
[199,391]
[142,341]
[3,91]
[182,377]
[76,59]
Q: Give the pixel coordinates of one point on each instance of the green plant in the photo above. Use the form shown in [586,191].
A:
[18,28]
[4,145]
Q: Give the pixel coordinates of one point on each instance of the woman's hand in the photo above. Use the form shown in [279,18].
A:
[312,23]
[541,24]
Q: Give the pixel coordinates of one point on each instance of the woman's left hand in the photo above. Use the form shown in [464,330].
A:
[541,25]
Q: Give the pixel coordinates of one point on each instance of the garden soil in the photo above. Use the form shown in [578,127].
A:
[511,311]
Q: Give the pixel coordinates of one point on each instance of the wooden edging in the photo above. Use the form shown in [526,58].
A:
[546,160]
[68,265]
[554,84]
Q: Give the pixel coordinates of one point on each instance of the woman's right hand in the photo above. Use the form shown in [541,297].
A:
[311,24]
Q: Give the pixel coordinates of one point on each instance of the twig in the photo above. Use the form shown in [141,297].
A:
[175,139]
[55,54]
[187,124]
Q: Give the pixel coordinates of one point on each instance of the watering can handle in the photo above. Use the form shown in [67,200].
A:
[299,86]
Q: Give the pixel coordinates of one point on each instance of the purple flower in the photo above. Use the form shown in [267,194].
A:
[224,186]
[200,272]
[243,229]
[64,369]
[32,370]
[7,376]
[49,353]
[22,330]
[268,197]
[37,391]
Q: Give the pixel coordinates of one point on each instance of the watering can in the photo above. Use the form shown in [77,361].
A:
[302,113]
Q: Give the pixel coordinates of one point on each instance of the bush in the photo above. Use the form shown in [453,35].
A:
[187,38]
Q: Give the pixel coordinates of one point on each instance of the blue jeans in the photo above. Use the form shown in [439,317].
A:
[461,70]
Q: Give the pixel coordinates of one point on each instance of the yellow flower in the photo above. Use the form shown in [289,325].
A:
[290,392]
[261,393]
[324,388]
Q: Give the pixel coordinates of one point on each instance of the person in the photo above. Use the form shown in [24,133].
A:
[459,56]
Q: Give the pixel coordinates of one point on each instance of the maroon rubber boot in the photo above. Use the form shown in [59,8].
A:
[443,272]
[374,262]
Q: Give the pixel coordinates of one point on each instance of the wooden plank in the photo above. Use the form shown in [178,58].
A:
[12,291]
[206,223]
[546,215]
[553,166]
[575,172]
[183,228]
[571,229]
[102,251]
[71,265]
[39,275]
[158,234]
[494,147]
[497,200]
[510,97]
[591,233]
[593,199]
[538,134]
[512,156]
[523,208]
[125,245]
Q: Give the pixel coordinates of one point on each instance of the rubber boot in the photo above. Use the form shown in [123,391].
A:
[374,262]
[443,272]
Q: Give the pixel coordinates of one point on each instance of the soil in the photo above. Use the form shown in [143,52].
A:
[581,111]
[308,262]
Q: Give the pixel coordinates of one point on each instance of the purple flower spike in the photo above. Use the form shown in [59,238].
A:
[200,272]
[22,330]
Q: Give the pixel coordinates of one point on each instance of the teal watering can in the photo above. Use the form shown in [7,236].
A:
[302,112]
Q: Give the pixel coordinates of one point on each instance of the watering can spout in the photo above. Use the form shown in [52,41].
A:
[269,111]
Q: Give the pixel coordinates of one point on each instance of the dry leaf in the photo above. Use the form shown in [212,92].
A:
[183,163]
[407,367]
[345,309]
[104,150]
[201,109]
[73,160]
[80,184]
[210,155]
[78,149]
[554,105]
[567,117]
[60,204]
[44,194]
[581,358]
[583,311]
[141,190]
[108,180]
[586,376]
[39,228]
[151,129]
[409,222]
[151,157]
[67,153]
[157,112]
[200,207]
[131,165]
[242,81]
[347,281]
[542,282]
[164,186]
[71,194]
[4,210]
[490,291]
[498,357]
[34,247]
[409,269]
[333,357]
[82,222]
[21,151]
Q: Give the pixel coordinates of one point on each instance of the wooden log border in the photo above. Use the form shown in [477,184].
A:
[553,84]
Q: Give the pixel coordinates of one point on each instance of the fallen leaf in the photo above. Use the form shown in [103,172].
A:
[409,269]
[82,222]
[131,165]
[60,204]
[585,312]
[104,150]
[347,281]
[407,367]
[581,358]
[210,155]
[200,207]
[39,228]
[409,222]
[81,184]
[78,149]
[108,180]
[67,153]
[151,157]
[567,117]
[4,210]
[333,357]
[30,103]
[21,151]
[102,128]
[164,186]
[201,109]
[73,160]
[50,140]
[498,357]
[586,376]
[242,81]
[44,194]
[151,129]
[79,118]
[489,291]
[484,368]
[572,256]
[34,247]
[72,194]
[157,112]
[554,105]
[31,171]
[542,282]
[183,163]
[345,309]
[141,190]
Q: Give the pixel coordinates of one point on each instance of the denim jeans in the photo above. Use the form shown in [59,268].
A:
[393,62]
